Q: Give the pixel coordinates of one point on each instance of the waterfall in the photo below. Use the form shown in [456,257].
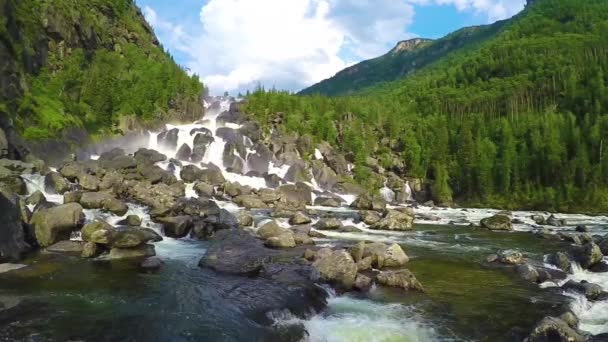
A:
[387,193]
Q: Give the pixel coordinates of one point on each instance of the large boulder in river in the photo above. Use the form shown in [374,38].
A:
[394,220]
[54,224]
[589,290]
[330,223]
[176,227]
[325,177]
[12,235]
[168,139]
[337,268]
[589,255]
[55,183]
[299,194]
[98,231]
[328,202]
[270,229]
[497,222]
[140,252]
[250,202]
[554,329]
[284,240]
[402,278]
[298,173]
[369,202]
[149,156]
[212,175]
[382,255]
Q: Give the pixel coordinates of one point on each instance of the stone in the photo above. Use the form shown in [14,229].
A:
[132,237]
[133,221]
[385,256]
[213,176]
[55,224]
[363,282]
[204,190]
[72,197]
[497,222]
[115,206]
[66,247]
[284,240]
[191,173]
[364,264]
[589,290]
[90,250]
[245,219]
[141,251]
[349,229]
[88,182]
[176,227]
[528,272]
[589,255]
[329,224]
[561,260]
[299,218]
[151,263]
[327,202]
[250,202]
[369,217]
[510,257]
[402,278]
[369,202]
[150,156]
[236,189]
[299,194]
[12,234]
[184,153]
[554,329]
[270,229]
[98,232]
[338,268]
[35,198]
[303,239]
[395,220]
[581,228]
[357,251]
[55,183]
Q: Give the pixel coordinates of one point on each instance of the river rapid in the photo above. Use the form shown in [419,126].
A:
[57,298]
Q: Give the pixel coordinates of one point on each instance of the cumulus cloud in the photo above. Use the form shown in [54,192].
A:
[292,44]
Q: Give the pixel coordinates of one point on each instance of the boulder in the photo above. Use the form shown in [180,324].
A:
[54,183]
[300,194]
[168,139]
[151,263]
[270,229]
[510,257]
[554,329]
[497,222]
[250,202]
[324,176]
[35,198]
[245,219]
[528,272]
[284,240]
[66,247]
[204,190]
[90,250]
[338,268]
[213,176]
[299,219]
[589,290]
[12,183]
[561,260]
[176,227]
[129,237]
[363,282]
[554,221]
[152,173]
[539,219]
[298,173]
[115,206]
[302,239]
[55,224]
[327,202]
[394,220]
[149,156]
[364,264]
[369,217]
[236,189]
[589,255]
[88,182]
[133,221]
[402,278]
[12,234]
[184,153]
[369,202]
[329,224]
[191,173]
[98,232]
[385,256]
[139,252]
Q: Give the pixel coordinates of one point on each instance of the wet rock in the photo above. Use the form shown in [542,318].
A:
[199,147]
[338,268]
[539,219]
[363,282]
[184,153]
[269,196]
[561,260]
[168,139]
[329,224]
[284,240]
[204,190]
[385,256]
[191,173]
[245,219]
[581,228]
[66,247]
[327,202]
[152,173]
[402,278]
[528,272]
[35,198]
[213,176]
[497,222]
[554,329]
[90,250]
[176,227]
[302,239]
[394,220]
[115,206]
[13,184]
[54,224]
[236,252]
[298,173]
[149,156]
[299,194]
[160,197]
[122,163]
[588,255]
[133,221]
[349,229]
[369,202]
[364,264]
[270,229]
[139,252]
[589,290]
[129,237]
[325,177]
[600,267]
[98,232]
[88,182]
[250,202]
[553,221]
[299,218]
[273,181]
[236,189]
[510,257]
[369,217]
[54,183]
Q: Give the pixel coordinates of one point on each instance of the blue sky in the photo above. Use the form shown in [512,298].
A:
[290,44]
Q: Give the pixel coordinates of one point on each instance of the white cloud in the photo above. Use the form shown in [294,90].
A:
[291,44]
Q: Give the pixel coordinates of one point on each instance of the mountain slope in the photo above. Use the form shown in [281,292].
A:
[407,57]
[517,120]
[92,65]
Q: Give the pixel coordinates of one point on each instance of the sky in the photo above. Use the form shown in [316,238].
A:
[234,45]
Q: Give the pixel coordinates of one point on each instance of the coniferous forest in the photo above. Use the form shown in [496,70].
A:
[518,120]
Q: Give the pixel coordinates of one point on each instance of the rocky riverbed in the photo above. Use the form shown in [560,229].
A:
[211,231]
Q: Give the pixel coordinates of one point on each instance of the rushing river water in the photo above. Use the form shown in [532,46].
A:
[58,298]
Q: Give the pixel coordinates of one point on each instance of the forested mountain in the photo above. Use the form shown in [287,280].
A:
[92,65]
[519,119]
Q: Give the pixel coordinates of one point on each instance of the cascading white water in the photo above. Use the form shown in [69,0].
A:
[387,193]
